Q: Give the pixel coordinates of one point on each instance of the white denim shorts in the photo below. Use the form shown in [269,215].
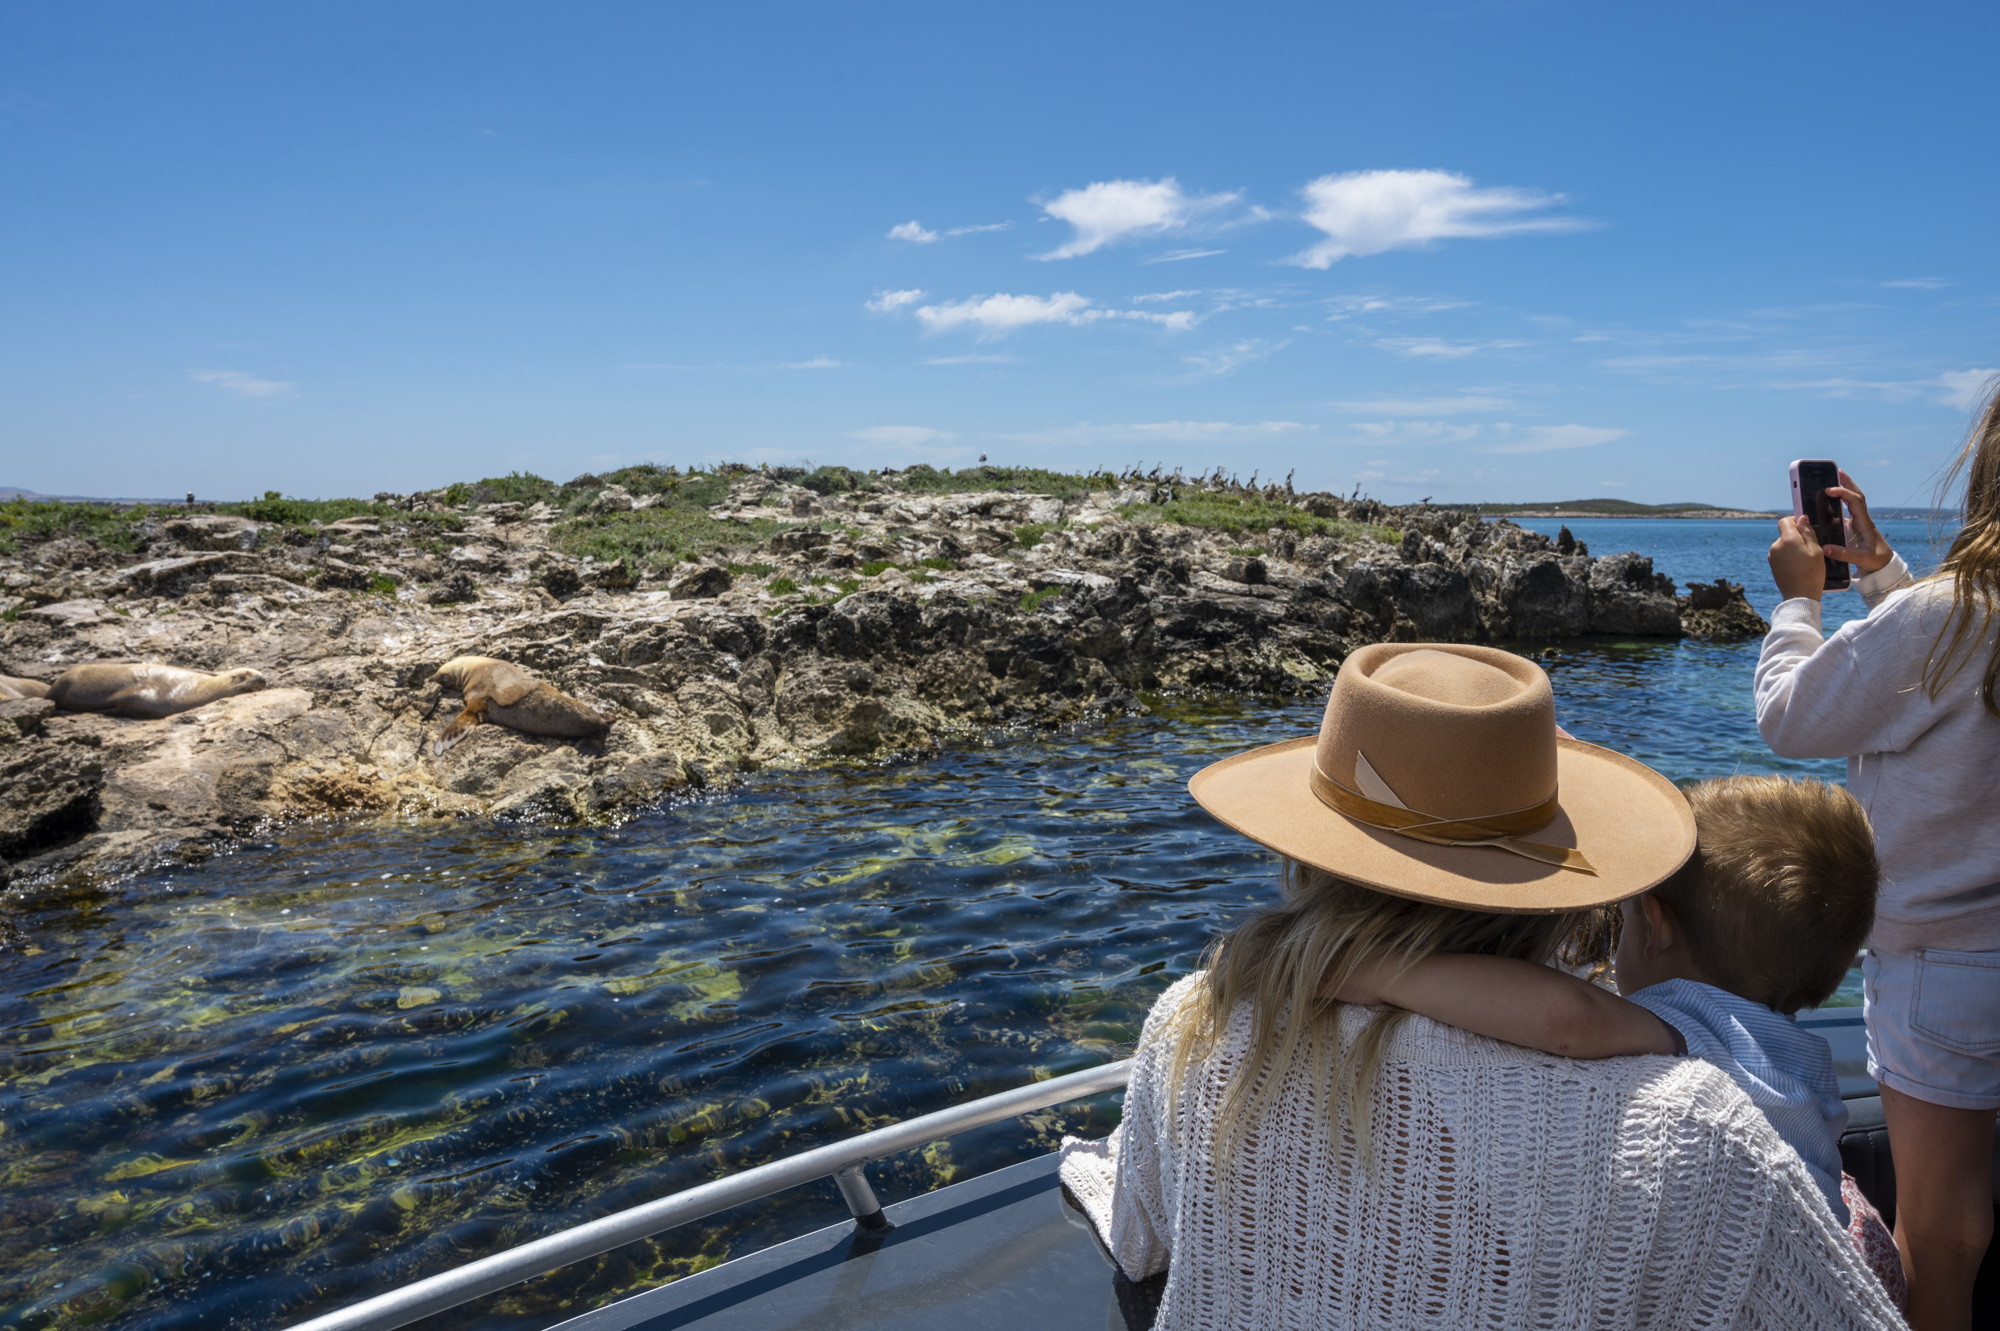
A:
[1934,1024]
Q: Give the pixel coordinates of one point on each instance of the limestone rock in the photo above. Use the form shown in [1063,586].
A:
[704,581]
[1719,610]
[215,531]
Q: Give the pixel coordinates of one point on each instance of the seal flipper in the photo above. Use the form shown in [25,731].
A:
[461,725]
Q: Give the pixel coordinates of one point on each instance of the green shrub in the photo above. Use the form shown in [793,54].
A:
[753,570]
[658,537]
[516,487]
[1032,601]
[782,587]
[1031,535]
[846,585]
[1238,513]
[30,522]
[922,479]
[381,584]
[942,565]
[875,566]
[285,512]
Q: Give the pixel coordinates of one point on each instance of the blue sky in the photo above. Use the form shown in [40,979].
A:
[1469,250]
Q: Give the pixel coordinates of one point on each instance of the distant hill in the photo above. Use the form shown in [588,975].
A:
[1616,508]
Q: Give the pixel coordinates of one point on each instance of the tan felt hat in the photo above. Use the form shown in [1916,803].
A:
[1438,774]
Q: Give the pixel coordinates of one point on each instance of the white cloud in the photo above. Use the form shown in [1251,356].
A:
[997,316]
[1411,432]
[1175,256]
[980,230]
[887,302]
[1424,406]
[1108,211]
[1966,389]
[1153,432]
[1221,362]
[902,436]
[1002,314]
[914,232]
[1549,438]
[816,363]
[1369,212]
[1163,295]
[1347,307]
[241,384]
[1436,348]
[1920,283]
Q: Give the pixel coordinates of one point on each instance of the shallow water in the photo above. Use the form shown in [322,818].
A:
[346,1058]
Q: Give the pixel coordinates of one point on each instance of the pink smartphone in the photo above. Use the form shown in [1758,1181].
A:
[1811,479]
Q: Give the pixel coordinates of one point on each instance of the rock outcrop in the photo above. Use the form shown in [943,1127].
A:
[869,621]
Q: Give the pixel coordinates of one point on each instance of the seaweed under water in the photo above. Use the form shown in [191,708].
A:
[346,1058]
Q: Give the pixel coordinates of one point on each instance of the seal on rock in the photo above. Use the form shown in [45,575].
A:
[13,688]
[147,692]
[505,694]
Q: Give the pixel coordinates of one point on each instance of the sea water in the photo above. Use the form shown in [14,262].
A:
[351,1056]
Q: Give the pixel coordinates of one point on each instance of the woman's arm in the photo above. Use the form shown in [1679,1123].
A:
[1516,1001]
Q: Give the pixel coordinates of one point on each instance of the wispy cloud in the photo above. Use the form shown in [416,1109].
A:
[1369,212]
[902,436]
[1164,295]
[914,232]
[1221,362]
[1175,256]
[973,360]
[816,363]
[1550,438]
[241,384]
[999,315]
[1410,432]
[1353,306]
[980,230]
[1424,406]
[1155,432]
[1436,348]
[1109,211]
[1966,389]
[1920,283]
[888,302]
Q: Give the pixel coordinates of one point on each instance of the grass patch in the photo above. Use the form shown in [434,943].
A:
[285,512]
[753,570]
[847,585]
[875,566]
[31,522]
[1239,513]
[671,532]
[1029,536]
[938,562]
[381,584]
[1032,601]
[782,587]
[922,479]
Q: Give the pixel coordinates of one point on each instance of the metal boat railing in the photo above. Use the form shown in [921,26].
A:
[844,1162]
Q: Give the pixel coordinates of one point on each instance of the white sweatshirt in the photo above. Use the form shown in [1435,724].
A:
[1927,771]
[1509,1188]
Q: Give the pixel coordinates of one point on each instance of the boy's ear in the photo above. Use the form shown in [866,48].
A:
[1662,929]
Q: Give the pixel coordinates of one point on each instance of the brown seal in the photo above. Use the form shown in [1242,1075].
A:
[505,694]
[13,688]
[146,691]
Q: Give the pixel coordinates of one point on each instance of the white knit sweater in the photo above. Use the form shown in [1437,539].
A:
[1925,768]
[1510,1189]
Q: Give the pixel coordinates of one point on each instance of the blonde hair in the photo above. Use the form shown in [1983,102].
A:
[1973,562]
[1287,960]
[1780,891]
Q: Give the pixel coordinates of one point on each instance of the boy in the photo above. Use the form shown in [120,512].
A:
[1763,920]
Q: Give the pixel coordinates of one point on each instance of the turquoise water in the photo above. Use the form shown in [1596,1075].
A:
[349,1057]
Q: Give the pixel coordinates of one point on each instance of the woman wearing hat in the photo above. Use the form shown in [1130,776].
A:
[1290,1161]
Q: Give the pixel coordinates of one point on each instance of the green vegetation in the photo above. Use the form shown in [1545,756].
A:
[921,479]
[752,570]
[659,537]
[25,521]
[284,512]
[875,566]
[782,587]
[1235,513]
[1030,535]
[1032,601]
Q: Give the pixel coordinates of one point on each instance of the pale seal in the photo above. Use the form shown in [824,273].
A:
[507,695]
[13,688]
[146,691]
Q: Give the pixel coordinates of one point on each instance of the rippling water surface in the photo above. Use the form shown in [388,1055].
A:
[349,1057]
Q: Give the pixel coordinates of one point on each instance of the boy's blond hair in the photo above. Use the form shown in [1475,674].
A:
[1780,892]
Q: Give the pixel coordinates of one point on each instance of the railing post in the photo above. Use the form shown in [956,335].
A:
[860,1199]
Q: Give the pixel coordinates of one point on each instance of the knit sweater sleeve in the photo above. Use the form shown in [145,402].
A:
[1810,1274]
[1853,693]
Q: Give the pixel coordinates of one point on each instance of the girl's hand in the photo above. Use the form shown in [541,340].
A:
[1867,548]
[1798,565]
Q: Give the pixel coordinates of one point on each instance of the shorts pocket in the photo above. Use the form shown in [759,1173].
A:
[1956,1002]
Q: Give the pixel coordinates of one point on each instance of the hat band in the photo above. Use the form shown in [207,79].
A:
[1497,830]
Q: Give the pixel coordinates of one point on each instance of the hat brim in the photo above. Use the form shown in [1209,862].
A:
[1633,825]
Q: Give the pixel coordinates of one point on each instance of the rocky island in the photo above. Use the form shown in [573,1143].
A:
[727,618]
